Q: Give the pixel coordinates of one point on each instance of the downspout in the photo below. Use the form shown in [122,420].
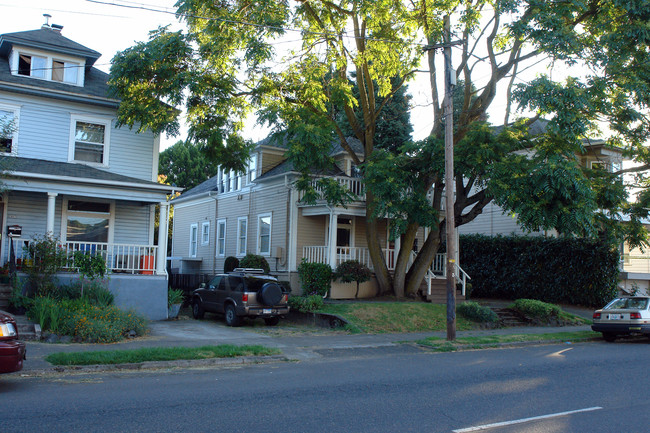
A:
[287,223]
[214,195]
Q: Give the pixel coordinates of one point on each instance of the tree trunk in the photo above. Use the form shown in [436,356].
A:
[374,248]
[401,263]
[422,262]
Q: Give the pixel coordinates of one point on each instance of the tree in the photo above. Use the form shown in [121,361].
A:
[352,270]
[225,64]
[185,165]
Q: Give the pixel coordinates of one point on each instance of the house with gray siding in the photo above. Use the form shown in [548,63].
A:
[260,212]
[69,172]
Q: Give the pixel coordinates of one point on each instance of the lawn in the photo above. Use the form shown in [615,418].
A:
[489,341]
[394,317]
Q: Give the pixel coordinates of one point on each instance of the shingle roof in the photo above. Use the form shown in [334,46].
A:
[64,169]
[211,184]
[49,40]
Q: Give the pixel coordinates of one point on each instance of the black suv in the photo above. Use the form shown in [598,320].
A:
[241,293]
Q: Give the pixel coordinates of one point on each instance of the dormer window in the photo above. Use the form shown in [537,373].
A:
[32,66]
[47,66]
[8,128]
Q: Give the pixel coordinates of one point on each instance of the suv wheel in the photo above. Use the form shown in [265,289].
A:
[231,316]
[272,321]
[197,309]
[270,294]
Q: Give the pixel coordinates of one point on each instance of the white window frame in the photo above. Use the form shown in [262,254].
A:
[221,237]
[252,168]
[194,240]
[259,233]
[64,216]
[50,58]
[15,109]
[205,233]
[106,122]
[241,253]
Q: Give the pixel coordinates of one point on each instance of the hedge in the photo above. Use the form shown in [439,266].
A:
[556,270]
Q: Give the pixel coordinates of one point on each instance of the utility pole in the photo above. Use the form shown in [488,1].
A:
[450,226]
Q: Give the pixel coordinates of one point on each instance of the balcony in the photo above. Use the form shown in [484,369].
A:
[119,258]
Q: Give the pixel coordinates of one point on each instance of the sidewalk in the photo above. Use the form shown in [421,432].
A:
[299,347]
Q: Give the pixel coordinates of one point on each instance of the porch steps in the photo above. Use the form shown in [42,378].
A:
[5,294]
[27,330]
[439,291]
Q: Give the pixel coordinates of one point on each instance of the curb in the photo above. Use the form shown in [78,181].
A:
[156,365]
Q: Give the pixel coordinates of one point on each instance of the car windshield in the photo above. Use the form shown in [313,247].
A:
[628,303]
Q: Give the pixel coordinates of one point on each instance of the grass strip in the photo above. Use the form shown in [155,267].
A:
[490,341]
[157,354]
[394,317]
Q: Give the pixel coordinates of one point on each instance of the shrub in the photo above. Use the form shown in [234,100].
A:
[477,312]
[44,258]
[306,304]
[230,264]
[556,270]
[174,296]
[536,309]
[315,278]
[255,261]
[98,295]
[352,270]
[92,267]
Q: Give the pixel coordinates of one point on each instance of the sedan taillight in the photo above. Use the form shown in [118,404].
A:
[635,315]
[596,316]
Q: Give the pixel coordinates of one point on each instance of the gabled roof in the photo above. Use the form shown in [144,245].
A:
[47,39]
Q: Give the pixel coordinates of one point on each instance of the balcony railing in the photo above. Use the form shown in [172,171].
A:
[119,258]
[352,184]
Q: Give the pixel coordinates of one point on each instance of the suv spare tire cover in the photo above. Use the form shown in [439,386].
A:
[270,294]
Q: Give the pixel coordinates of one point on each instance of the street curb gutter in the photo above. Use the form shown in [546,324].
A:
[157,365]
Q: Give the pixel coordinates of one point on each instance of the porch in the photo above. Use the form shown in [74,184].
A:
[437,273]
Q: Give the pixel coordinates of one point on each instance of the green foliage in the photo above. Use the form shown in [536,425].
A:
[352,270]
[230,263]
[306,304]
[315,278]
[44,258]
[255,261]
[477,312]
[536,309]
[185,165]
[556,270]
[175,296]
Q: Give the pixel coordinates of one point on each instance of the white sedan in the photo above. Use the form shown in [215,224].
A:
[623,316]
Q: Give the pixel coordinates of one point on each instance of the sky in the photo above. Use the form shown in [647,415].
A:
[109,26]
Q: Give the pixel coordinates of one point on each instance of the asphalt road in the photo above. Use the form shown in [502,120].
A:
[595,387]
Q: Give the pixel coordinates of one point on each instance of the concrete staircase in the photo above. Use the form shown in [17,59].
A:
[509,318]
[439,291]
[27,330]
[5,294]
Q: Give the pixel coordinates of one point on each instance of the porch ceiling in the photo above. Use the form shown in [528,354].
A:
[323,209]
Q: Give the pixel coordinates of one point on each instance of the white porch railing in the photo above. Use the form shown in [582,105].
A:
[124,258]
[438,269]
[353,184]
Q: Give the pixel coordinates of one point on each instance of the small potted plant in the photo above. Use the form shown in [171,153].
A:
[174,302]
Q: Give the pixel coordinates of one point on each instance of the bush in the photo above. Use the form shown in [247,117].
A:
[315,278]
[477,312]
[230,264]
[256,262]
[174,296]
[306,304]
[555,270]
[352,270]
[44,258]
[536,309]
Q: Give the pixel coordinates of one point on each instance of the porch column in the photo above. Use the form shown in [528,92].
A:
[334,222]
[163,227]
[51,205]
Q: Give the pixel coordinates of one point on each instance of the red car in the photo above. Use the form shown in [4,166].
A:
[12,351]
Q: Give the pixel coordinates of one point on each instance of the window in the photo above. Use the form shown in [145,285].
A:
[194,234]
[252,168]
[66,72]
[226,181]
[205,233]
[8,129]
[32,66]
[221,238]
[90,140]
[87,221]
[264,234]
[242,229]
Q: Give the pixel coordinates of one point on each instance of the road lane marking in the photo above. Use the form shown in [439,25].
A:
[523,420]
